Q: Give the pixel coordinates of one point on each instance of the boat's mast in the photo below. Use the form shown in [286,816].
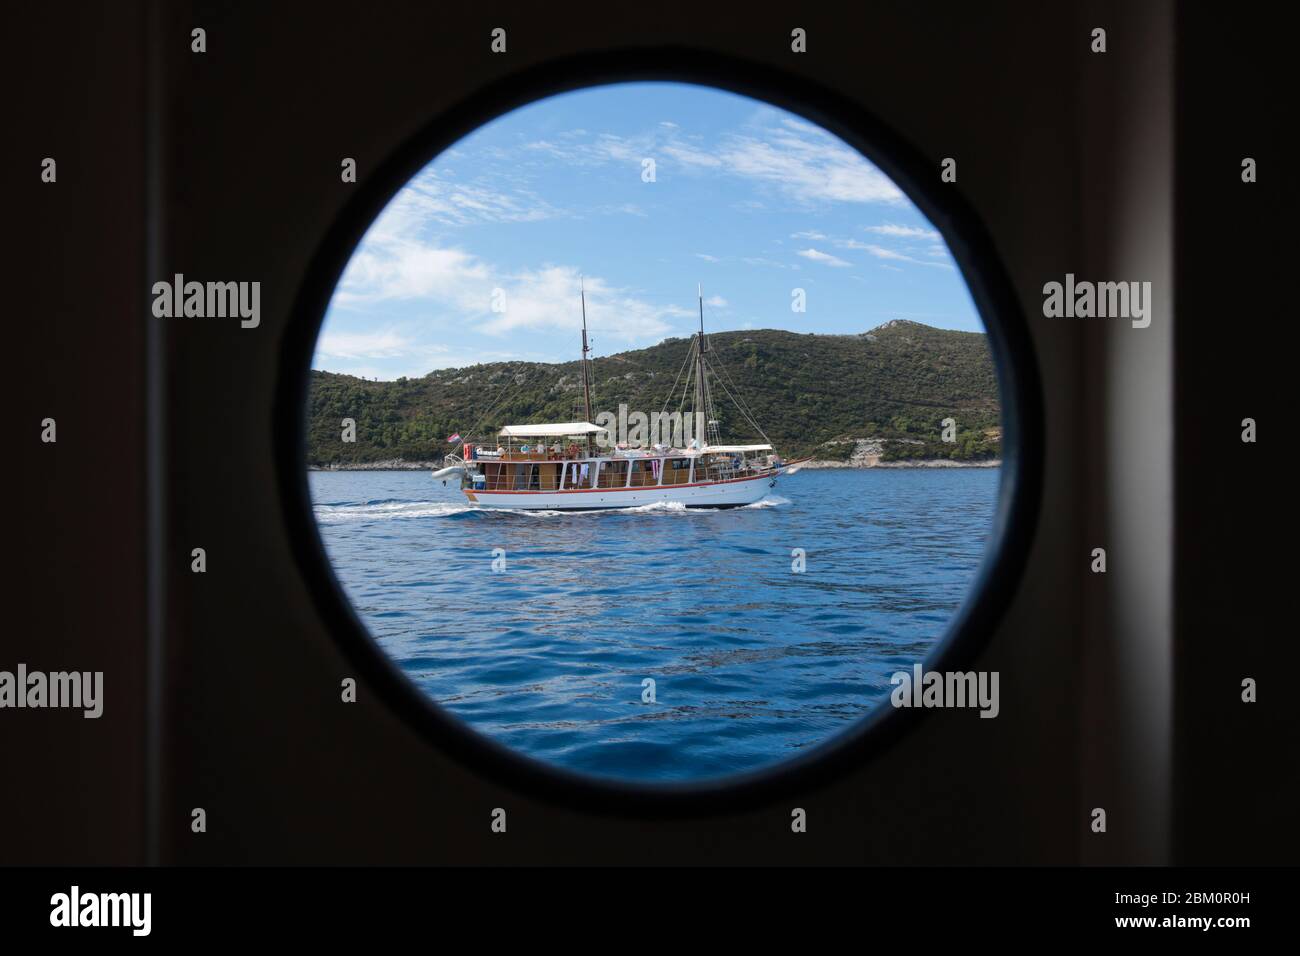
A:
[699,373]
[586,380]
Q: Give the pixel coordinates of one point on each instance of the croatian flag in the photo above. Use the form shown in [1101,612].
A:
[454,438]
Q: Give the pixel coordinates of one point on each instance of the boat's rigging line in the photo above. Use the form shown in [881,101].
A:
[690,351]
[688,385]
[725,379]
[712,425]
[506,392]
[587,383]
[703,394]
[695,360]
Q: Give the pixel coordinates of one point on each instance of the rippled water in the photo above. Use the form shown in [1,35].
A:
[750,661]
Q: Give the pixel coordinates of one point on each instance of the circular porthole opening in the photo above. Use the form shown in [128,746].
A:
[652,430]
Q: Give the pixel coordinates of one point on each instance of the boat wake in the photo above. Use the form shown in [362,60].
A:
[675,507]
[388,509]
[391,509]
[654,507]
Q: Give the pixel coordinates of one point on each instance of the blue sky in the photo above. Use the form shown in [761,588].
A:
[478,258]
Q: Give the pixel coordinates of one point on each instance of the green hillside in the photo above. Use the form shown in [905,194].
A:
[813,394]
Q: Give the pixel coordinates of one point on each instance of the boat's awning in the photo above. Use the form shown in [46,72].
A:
[709,449]
[548,431]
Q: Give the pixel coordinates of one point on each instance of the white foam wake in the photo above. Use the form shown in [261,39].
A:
[675,507]
[771,501]
[338,514]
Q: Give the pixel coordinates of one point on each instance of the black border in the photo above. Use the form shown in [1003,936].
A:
[1019,494]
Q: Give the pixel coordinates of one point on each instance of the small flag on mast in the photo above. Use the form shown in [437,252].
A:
[454,438]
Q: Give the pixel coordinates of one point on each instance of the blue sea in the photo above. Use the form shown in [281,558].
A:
[750,660]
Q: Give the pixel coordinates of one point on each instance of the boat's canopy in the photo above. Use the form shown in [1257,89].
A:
[710,449]
[562,429]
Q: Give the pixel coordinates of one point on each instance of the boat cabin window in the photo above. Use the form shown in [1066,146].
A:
[677,471]
[548,476]
[645,471]
[579,474]
[714,468]
[613,474]
[523,476]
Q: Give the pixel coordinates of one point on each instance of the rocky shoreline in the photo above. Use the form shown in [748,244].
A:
[390,464]
[867,453]
[909,463]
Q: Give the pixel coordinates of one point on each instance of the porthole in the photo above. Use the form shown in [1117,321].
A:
[631,643]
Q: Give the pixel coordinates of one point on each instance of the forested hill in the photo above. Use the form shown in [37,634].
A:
[812,394]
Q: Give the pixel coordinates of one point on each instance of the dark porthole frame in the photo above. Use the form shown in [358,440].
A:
[1020,486]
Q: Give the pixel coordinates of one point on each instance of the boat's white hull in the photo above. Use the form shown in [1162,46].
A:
[714,494]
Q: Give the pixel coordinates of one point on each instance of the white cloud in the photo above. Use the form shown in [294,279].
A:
[823,257]
[880,252]
[384,354]
[626,208]
[398,260]
[363,345]
[690,155]
[547,298]
[573,148]
[801,160]
[706,257]
[810,166]
[408,269]
[432,197]
[716,302]
[904,232]
[460,288]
